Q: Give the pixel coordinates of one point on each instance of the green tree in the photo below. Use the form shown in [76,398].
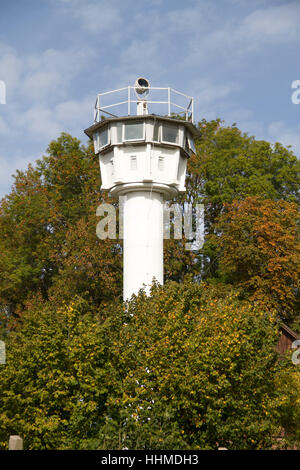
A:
[259,252]
[230,165]
[288,382]
[191,367]
[51,207]
[194,368]
[53,388]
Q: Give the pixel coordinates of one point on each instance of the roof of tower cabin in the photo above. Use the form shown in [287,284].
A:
[187,124]
[288,336]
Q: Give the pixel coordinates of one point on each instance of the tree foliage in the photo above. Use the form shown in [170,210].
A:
[194,365]
[195,368]
[260,252]
[230,165]
[191,367]
[54,385]
[48,230]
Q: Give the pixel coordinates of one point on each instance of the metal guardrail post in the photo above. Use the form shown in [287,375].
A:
[185,110]
[129,93]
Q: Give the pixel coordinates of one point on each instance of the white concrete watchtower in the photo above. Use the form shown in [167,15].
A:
[143,157]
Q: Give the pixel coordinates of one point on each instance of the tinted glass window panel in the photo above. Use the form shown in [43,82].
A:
[156,132]
[134,131]
[186,144]
[119,131]
[192,145]
[170,134]
[103,137]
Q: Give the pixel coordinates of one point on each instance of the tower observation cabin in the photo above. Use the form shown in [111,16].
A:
[143,157]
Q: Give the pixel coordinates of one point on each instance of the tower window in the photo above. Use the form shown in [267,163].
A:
[134,131]
[103,137]
[170,133]
[119,131]
[156,132]
[133,163]
[161,163]
[192,145]
[186,144]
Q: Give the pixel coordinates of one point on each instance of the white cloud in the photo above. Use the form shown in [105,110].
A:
[190,20]
[10,70]
[98,17]
[73,113]
[209,92]
[275,24]
[230,39]
[38,88]
[49,74]
[8,168]
[40,122]
[44,76]
[4,129]
[44,123]
[279,132]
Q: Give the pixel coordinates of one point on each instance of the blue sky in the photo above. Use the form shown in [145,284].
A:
[237,58]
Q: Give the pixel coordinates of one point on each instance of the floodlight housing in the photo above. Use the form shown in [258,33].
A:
[141,85]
